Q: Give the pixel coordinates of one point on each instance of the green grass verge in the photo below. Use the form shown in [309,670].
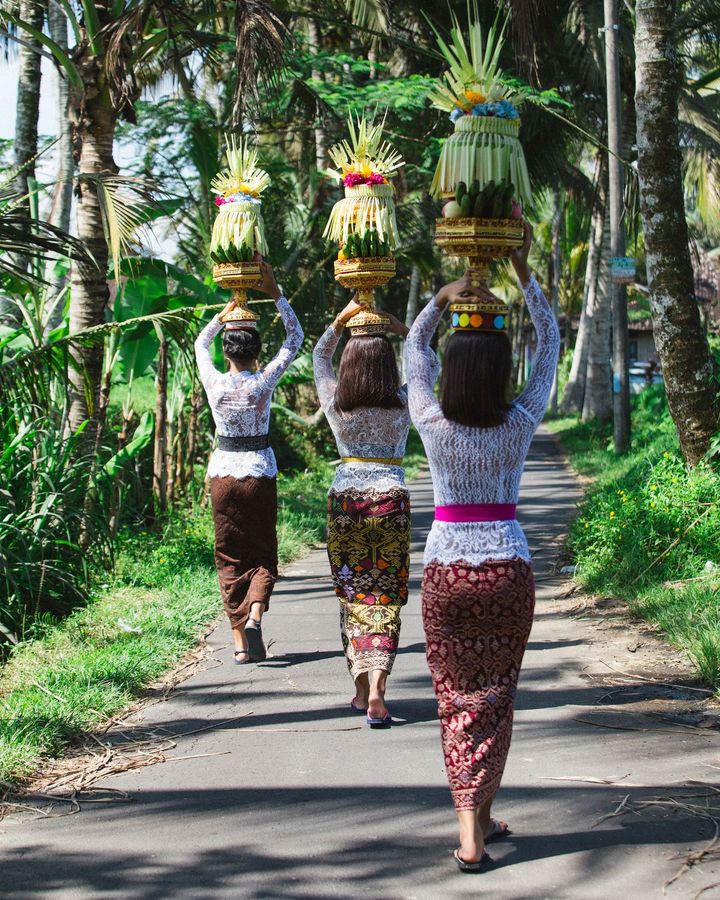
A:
[89,666]
[649,527]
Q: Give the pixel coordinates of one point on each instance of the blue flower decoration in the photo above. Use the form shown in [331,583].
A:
[504,109]
[456,114]
[481,109]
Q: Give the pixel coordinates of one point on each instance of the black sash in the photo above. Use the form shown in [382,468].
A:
[243,443]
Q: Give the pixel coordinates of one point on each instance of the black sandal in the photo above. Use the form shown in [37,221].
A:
[242,662]
[253,633]
[472,868]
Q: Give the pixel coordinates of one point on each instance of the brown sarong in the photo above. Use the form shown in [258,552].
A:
[477,621]
[246,556]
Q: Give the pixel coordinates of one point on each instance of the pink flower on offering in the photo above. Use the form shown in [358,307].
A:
[352,179]
[516,210]
[219,201]
[375,178]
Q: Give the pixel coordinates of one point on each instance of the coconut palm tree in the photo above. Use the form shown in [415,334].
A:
[679,336]
[114,43]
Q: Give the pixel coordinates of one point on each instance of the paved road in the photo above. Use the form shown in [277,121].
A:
[305,802]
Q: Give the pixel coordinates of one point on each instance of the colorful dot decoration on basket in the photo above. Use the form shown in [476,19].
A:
[478,320]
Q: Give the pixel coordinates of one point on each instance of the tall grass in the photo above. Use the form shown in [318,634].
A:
[649,529]
[43,488]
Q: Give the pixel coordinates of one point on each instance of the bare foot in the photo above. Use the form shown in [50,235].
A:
[376,697]
[472,845]
[362,690]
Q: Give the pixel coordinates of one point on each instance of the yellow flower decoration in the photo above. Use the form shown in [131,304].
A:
[474,97]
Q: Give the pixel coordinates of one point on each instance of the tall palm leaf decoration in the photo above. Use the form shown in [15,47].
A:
[238,232]
[483,106]
[474,74]
[365,163]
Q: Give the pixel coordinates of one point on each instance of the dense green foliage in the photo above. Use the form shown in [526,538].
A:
[649,529]
[76,673]
[115,516]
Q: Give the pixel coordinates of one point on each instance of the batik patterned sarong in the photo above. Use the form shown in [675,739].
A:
[368,547]
[477,621]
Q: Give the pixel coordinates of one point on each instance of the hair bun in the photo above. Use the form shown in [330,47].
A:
[241,345]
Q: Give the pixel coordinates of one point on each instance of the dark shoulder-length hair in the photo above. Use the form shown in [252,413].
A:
[368,374]
[475,381]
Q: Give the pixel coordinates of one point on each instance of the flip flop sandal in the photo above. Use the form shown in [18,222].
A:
[359,709]
[253,633]
[241,662]
[498,831]
[380,721]
[472,868]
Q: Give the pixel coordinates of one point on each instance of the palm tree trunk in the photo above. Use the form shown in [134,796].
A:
[555,286]
[28,97]
[160,455]
[413,296]
[95,125]
[313,35]
[679,338]
[26,124]
[597,403]
[574,396]
[62,193]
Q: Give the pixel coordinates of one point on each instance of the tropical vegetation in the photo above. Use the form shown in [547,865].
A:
[106,243]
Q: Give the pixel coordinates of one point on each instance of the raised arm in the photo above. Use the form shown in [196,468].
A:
[534,398]
[208,372]
[325,380]
[422,366]
[273,371]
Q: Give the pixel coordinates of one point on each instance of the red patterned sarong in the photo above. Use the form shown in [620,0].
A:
[369,550]
[477,622]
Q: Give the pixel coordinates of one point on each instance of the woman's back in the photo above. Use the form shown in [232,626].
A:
[364,433]
[477,465]
[472,465]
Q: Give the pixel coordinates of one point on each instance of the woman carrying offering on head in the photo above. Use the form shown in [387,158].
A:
[478,591]
[242,468]
[368,504]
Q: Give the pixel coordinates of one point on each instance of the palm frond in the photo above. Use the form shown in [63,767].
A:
[260,36]
[370,14]
[27,376]
[46,242]
[127,205]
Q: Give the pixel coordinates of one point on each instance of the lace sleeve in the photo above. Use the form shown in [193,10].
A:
[208,372]
[534,398]
[273,371]
[422,366]
[325,380]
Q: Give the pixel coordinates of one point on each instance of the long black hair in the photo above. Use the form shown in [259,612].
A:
[241,345]
[368,374]
[475,381]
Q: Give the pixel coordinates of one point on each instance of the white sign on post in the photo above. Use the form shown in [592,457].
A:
[622,269]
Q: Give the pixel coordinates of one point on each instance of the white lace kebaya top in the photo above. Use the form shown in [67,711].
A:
[368,431]
[478,465]
[240,401]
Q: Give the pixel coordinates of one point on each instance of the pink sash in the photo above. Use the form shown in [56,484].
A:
[475,512]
